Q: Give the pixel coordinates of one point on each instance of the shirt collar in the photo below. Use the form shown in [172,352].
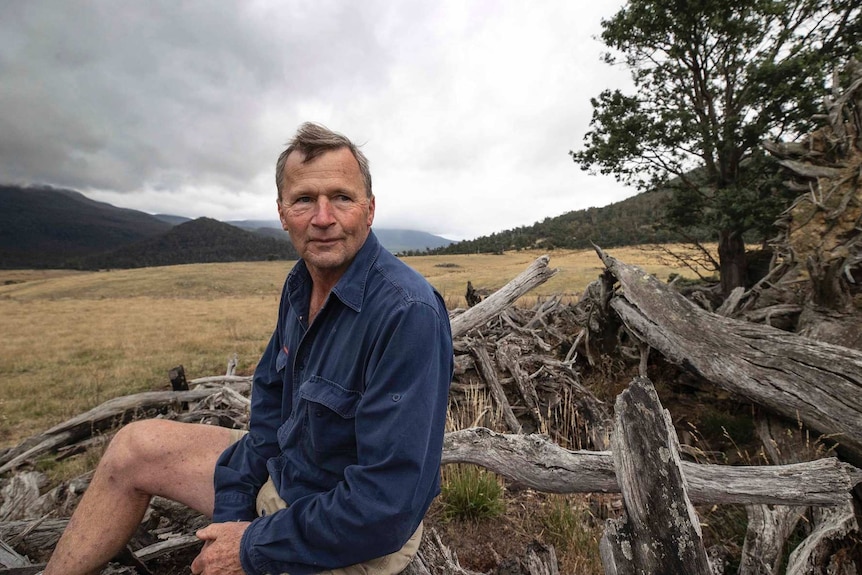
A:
[350,288]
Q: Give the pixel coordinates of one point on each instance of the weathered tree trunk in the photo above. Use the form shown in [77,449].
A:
[661,532]
[534,461]
[110,414]
[535,275]
[434,558]
[822,230]
[486,369]
[817,382]
[767,532]
[827,549]
[770,526]
[732,262]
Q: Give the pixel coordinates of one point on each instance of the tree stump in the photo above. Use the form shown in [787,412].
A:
[660,532]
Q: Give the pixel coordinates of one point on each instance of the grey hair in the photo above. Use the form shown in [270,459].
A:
[313,140]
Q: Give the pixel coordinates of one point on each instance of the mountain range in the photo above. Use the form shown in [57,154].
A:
[43,227]
[46,227]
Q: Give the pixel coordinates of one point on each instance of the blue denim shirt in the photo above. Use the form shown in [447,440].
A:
[347,417]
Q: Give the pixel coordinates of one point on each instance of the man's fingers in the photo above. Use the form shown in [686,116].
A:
[197,566]
[207,533]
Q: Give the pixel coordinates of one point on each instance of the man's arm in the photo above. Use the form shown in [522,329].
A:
[241,469]
[399,424]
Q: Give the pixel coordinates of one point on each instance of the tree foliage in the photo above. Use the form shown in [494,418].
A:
[713,78]
[629,222]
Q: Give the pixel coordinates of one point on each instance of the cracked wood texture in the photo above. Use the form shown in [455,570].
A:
[536,462]
[816,382]
[535,275]
[660,532]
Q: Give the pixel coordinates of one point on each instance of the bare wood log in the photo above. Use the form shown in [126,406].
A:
[766,314]
[37,534]
[463,362]
[506,316]
[104,416]
[167,547]
[434,558]
[730,306]
[11,558]
[787,149]
[486,370]
[536,274]
[810,170]
[472,296]
[507,356]
[770,526]
[818,552]
[662,532]
[543,310]
[818,382]
[767,532]
[542,560]
[536,462]
[25,570]
[61,500]
[240,383]
[19,495]
[592,312]
[177,376]
[232,362]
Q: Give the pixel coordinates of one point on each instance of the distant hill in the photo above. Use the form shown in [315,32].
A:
[44,227]
[400,241]
[203,240]
[173,220]
[394,240]
[632,221]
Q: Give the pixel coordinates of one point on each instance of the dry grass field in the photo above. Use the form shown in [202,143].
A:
[71,340]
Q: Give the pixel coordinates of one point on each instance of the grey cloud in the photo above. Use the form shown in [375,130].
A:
[118,95]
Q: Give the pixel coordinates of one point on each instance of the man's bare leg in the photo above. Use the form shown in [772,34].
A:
[145,458]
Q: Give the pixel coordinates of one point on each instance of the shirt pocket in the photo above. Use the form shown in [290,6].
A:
[281,360]
[331,416]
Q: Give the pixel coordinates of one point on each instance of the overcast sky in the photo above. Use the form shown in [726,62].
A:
[466,110]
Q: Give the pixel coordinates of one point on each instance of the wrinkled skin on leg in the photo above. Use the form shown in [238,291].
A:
[145,458]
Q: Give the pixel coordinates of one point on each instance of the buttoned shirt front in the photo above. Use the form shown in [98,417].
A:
[347,417]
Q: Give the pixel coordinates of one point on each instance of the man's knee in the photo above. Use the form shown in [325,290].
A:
[141,443]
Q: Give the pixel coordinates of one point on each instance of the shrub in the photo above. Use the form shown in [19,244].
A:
[470,493]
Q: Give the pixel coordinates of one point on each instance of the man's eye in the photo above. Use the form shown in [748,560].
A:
[302,200]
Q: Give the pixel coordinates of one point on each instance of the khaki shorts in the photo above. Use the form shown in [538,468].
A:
[268,502]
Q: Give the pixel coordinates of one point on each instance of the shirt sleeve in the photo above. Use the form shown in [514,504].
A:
[241,469]
[400,421]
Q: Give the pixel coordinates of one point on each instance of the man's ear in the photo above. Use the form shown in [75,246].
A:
[371,206]
[281,216]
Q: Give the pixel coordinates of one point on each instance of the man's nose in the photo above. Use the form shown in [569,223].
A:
[323,214]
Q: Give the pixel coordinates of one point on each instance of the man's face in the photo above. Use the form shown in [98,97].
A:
[325,210]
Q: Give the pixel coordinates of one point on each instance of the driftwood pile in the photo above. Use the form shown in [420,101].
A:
[523,360]
[791,345]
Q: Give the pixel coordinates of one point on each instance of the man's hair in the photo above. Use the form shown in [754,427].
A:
[313,140]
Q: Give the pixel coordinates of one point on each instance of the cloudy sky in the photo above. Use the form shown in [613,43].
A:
[467,110]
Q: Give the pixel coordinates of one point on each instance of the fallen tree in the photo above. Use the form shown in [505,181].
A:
[818,382]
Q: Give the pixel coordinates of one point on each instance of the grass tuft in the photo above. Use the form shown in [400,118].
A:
[469,493]
[574,533]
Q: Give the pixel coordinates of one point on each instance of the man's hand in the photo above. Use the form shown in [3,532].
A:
[220,555]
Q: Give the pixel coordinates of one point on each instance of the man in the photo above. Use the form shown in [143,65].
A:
[342,456]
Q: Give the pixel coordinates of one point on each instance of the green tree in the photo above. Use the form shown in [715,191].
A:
[712,79]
